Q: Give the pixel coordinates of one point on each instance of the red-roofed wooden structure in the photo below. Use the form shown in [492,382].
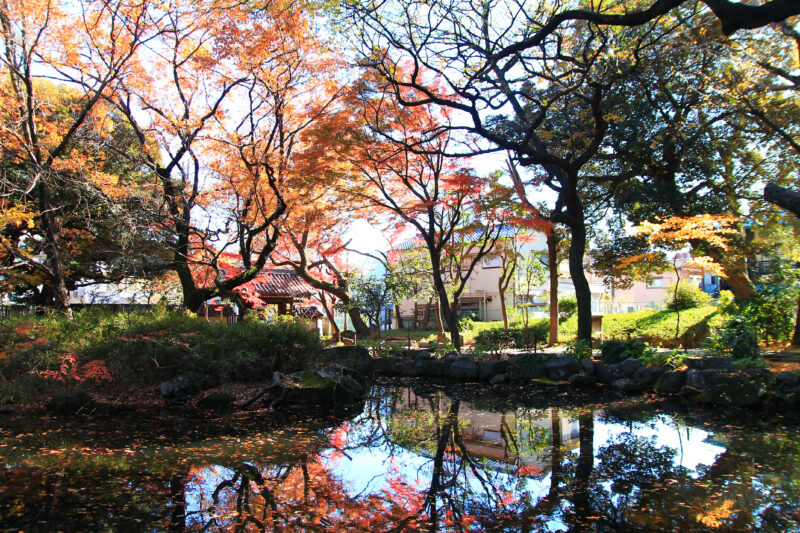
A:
[275,286]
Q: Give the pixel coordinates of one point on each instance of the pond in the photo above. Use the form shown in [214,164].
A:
[410,458]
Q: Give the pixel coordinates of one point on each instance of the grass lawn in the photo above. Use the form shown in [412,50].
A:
[657,327]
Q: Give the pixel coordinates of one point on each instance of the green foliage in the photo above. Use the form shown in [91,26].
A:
[727,303]
[528,365]
[441,347]
[145,348]
[616,351]
[497,339]
[750,362]
[655,327]
[673,358]
[688,296]
[567,307]
[772,312]
[579,349]
[736,339]
[468,322]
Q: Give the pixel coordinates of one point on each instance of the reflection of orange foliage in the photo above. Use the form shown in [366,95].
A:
[529,470]
[312,499]
[713,517]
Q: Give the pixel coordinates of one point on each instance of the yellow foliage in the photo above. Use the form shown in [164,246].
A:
[18,215]
[713,517]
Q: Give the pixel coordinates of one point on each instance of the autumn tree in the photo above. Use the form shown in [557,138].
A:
[315,246]
[558,94]
[400,155]
[83,49]
[221,112]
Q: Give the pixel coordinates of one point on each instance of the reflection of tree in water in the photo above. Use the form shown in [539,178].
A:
[629,483]
[299,497]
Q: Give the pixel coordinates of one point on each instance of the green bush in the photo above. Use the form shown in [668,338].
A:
[497,339]
[673,359]
[144,348]
[579,349]
[688,296]
[616,351]
[567,306]
[727,303]
[528,365]
[750,362]
[736,339]
[772,312]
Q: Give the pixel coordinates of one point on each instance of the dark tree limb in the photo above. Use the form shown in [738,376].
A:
[783,197]
[276,384]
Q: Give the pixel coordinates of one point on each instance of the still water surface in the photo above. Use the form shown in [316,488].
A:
[409,459]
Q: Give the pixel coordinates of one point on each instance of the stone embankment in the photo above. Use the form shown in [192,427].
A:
[711,380]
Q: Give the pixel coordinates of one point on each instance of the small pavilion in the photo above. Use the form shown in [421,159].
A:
[281,287]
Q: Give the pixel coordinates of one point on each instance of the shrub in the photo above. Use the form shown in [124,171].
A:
[616,351]
[750,362]
[466,323]
[736,339]
[497,339]
[143,348]
[567,307]
[771,312]
[579,349]
[727,303]
[688,296]
[652,357]
[528,365]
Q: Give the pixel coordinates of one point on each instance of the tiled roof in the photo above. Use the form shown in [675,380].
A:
[281,282]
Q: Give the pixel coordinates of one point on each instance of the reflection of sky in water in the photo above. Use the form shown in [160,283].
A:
[367,470]
[689,442]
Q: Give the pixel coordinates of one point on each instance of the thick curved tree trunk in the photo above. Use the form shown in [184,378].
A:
[583,293]
[53,251]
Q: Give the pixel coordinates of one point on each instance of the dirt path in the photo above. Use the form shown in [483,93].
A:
[788,359]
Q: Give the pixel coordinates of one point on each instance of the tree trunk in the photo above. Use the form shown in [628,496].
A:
[502,292]
[51,238]
[552,268]
[736,276]
[447,314]
[796,336]
[437,312]
[783,197]
[555,452]
[331,317]
[734,267]
[580,491]
[177,496]
[399,318]
[343,295]
[583,293]
[359,325]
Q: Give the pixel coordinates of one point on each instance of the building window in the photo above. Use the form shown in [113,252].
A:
[492,261]
[655,283]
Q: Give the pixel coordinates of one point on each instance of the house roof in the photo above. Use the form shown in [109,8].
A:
[281,283]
